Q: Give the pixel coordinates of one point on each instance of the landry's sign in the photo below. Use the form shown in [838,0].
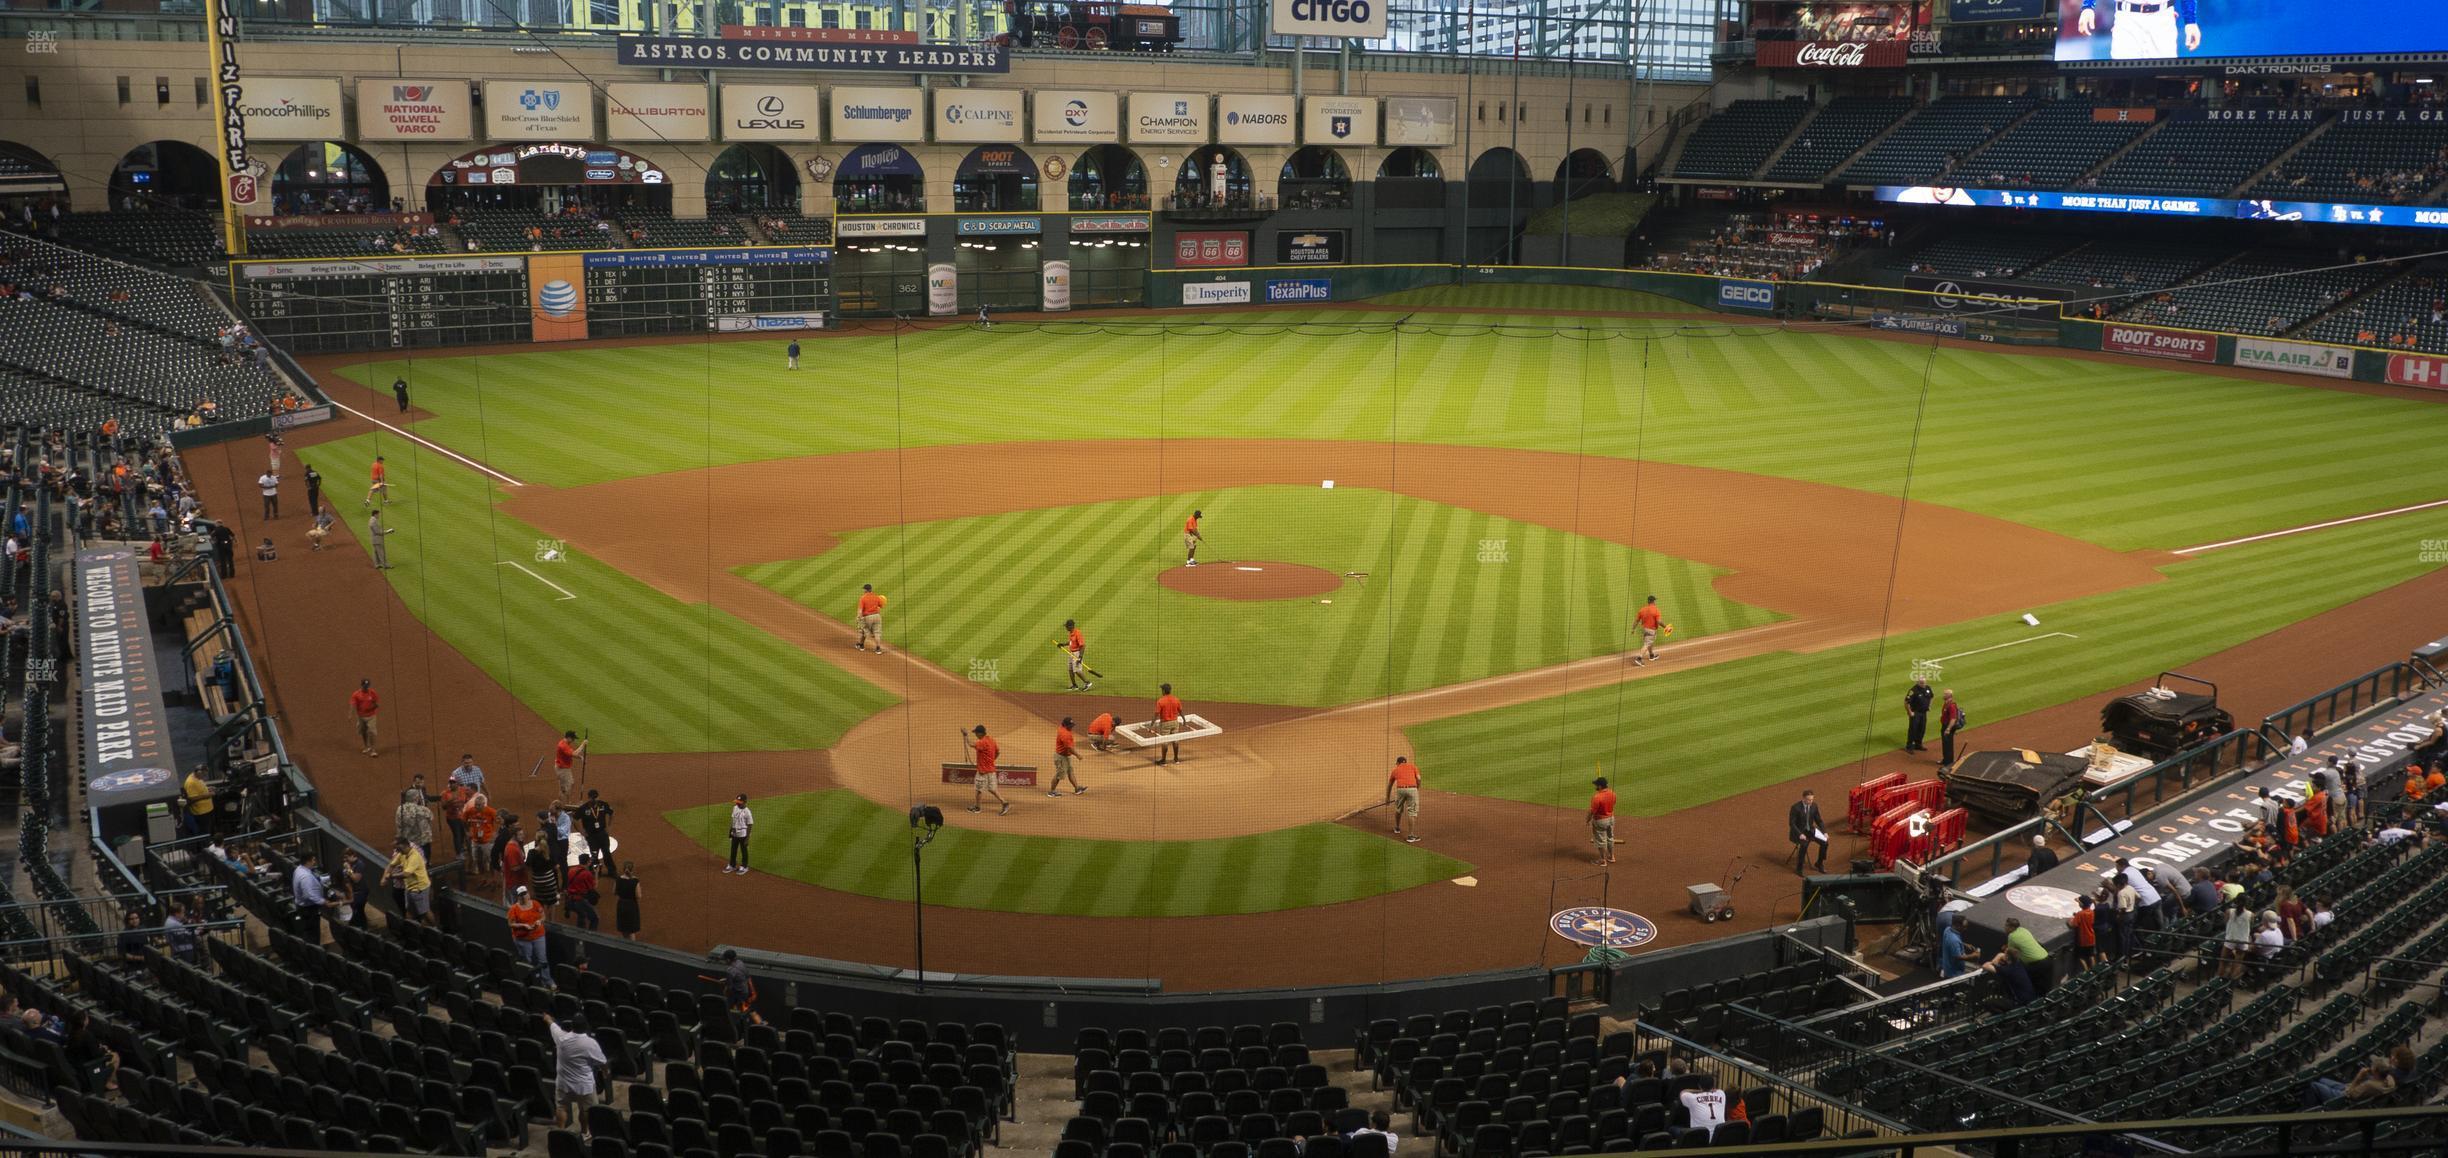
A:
[1834,53]
[692,52]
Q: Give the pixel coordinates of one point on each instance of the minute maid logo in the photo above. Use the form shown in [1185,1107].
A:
[548,99]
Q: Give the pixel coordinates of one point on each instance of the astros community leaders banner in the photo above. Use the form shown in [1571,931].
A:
[691,52]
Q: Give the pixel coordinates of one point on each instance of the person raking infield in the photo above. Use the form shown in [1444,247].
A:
[1402,791]
[1652,623]
[984,751]
[1075,650]
[870,618]
[1167,722]
[569,754]
[1066,746]
[378,482]
[1191,537]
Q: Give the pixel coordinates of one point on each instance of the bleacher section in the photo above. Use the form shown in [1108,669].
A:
[167,238]
[2059,142]
[2203,157]
[2257,294]
[1737,140]
[499,230]
[1934,138]
[337,242]
[655,227]
[2123,266]
[2364,161]
[1985,255]
[2410,307]
[1842,128]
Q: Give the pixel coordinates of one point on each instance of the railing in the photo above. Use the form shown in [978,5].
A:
[2376,688]
[1908,1014]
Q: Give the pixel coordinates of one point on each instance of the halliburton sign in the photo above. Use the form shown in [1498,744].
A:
[1833,53]
[2156,343]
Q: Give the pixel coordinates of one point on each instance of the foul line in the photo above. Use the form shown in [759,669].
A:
[538,578]
[2312,527]
[1996,646]
[430,445]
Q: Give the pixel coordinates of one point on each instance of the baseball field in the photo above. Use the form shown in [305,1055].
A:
[1427,526]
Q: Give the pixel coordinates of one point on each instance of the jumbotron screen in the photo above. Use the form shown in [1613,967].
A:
[2164,30]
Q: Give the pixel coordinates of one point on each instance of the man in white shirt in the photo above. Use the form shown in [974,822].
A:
[1706,1105]
[577,1059]
[2302,744]
[1381,1124]
[270,483]
[2269,940]
[742,821]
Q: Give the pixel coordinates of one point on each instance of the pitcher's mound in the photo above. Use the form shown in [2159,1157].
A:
[1251,580]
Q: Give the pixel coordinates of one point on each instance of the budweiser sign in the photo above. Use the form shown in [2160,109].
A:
[1834,53]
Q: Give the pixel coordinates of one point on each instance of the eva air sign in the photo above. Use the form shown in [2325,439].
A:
[1358,19]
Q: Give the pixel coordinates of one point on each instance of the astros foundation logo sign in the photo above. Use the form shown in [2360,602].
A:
[1611,928]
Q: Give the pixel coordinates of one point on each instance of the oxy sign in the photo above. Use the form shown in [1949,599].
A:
[1359,19]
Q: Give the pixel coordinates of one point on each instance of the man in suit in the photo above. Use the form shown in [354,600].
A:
[1805,827]
[1916,715]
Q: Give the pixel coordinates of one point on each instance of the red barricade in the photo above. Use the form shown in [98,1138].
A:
[1890,834]
[1860,803]
[1929,794]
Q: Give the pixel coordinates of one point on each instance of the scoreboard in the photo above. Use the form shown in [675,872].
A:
[384,303]
[381,303]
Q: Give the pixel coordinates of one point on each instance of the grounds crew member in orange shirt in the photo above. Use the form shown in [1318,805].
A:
[1602,821]
[364,704]
[1077,648]
[1065,747]
[1191,537]
[377,482]
[1402,790]
[566,751]
[1101,731]
[1651,621]
[870,618]
[1167,722]
[984,751]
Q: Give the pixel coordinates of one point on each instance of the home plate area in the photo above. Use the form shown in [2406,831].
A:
[1240,579]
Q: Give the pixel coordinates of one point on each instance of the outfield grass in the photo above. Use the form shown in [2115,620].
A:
[640,670]
[839,840]
[1440,604]
[1691,737]
[2127,456]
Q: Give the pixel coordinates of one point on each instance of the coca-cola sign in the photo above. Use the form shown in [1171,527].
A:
[1833,53]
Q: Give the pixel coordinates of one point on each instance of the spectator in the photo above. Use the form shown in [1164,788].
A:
[132,940]
[595,823]
[543,872]
[510,853]
[2122,901]
[1705,1105]
[307,894]
[2043,858]
[2269,939]
[413,821]
[407,873]
[179,935]
[198,813]
[2086,935]
[86,1052]
[578,902]
[527,934]
[42,1028]
[1953,955]
[2204,896]
[454,816]
[2371,1081]
[625,901]
[482,822]
[579,1069]
[468,773]
[2322,918]
[359,876]
[2294,918]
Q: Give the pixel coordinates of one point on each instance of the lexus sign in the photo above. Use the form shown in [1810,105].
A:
[1833,53]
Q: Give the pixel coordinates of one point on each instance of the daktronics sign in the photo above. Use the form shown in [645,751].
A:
[2418,370]
[2156,343]
[1834,53]
[1746,295]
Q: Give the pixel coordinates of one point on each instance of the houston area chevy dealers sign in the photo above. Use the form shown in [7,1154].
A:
[2157,343]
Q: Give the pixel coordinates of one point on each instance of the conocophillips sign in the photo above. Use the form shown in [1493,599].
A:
[1358,19]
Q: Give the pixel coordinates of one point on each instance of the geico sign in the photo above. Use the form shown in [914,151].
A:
[1364,19]
[1746,295]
